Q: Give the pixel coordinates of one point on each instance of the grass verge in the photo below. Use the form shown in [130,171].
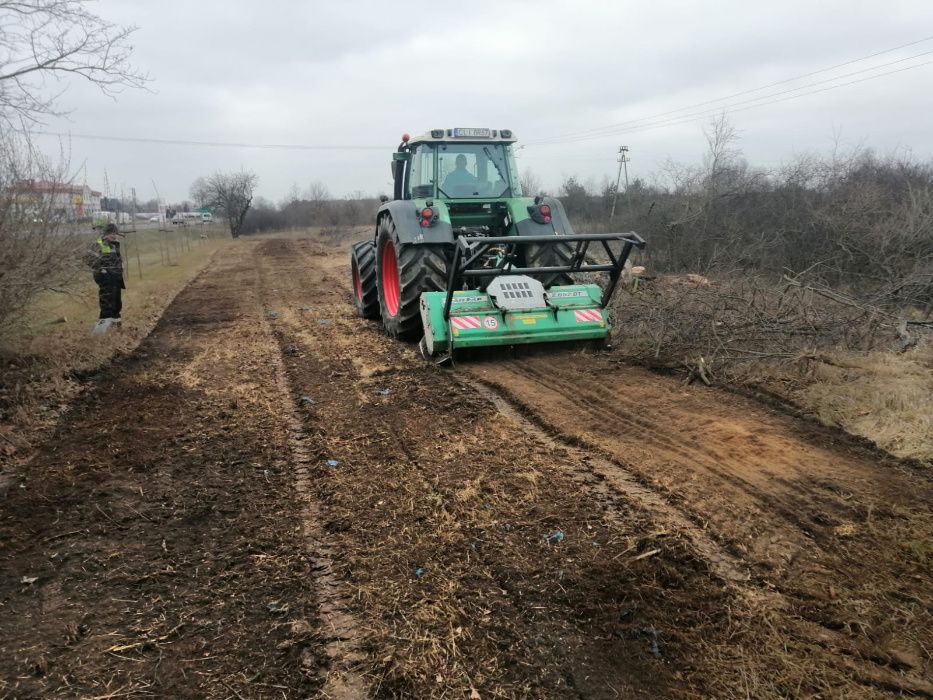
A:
[44,357]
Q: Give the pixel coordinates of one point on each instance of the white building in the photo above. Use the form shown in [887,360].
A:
[72,201]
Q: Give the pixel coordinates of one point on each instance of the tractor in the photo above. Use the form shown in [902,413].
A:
[461,258]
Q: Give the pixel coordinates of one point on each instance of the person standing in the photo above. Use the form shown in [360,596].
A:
[108,274]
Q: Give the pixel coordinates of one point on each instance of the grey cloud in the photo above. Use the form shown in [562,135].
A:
[363,72]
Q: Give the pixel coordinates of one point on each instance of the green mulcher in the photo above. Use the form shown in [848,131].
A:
[461,259]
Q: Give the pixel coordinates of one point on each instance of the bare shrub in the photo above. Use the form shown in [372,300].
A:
[39,249]
[314,208]
[736,324]
[827,254]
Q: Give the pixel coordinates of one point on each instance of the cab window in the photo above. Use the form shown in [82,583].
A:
[468,170]
[421,179]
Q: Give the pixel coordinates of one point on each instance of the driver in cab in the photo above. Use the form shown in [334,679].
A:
[459,177]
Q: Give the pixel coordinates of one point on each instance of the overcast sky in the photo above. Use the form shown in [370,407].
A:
[362,73]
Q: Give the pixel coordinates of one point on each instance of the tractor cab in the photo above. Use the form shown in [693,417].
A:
[472,171]
[456,164]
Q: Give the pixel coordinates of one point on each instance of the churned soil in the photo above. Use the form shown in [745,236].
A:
[152,547]
[271,498]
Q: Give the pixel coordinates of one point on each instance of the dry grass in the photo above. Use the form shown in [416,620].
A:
[838,361]
[883,396]
[42,357]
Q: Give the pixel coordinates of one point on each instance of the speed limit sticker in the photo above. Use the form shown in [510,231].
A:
[491,322]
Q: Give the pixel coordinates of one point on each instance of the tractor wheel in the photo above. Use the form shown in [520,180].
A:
[547,256]
[403,271]
[363,264]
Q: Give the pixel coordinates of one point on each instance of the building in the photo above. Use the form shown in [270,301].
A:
[73,202]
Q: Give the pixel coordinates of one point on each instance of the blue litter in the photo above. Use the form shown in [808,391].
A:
[556,536]
[324,322]
[384,392]
[419,572]
[306,400]
[647,632]
[332,463]
[291,350]
[655,648]
[273,314]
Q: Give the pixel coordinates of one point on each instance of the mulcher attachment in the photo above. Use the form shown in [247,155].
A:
[515,308]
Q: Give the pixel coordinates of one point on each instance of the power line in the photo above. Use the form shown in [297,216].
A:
[214,144]
[630,126]
[635,122]
[751,90]
[727,108]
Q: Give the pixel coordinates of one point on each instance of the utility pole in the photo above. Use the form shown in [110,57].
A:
[623,163]
[106,188]
[167,255]
[139,265]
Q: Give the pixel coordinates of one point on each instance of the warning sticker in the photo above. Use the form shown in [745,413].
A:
[491,322]
[588,316]
[470,300]
[567,295]
[464,323]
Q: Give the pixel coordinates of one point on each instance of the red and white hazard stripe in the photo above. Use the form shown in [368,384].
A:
[464,323]
[588,315]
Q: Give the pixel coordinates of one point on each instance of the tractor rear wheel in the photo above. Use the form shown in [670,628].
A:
[363,265]
[403,271]
[549,256]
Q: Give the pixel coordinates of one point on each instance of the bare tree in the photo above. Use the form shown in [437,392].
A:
[43,40]
[199,192]
[721,139]
[319,204]
[230,195]
[531,183]
[317,192]
[292,195]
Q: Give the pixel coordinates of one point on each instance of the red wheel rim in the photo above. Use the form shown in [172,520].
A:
[390,280]
[357,282]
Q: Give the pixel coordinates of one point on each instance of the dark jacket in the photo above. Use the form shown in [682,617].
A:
[108,264]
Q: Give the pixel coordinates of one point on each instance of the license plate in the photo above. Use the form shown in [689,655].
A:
[472,133]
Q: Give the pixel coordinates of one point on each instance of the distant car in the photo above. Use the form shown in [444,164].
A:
[207,218]
[153,218]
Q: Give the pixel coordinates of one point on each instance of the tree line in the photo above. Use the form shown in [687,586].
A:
[849,219]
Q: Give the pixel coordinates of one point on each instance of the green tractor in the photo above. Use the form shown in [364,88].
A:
[462,259]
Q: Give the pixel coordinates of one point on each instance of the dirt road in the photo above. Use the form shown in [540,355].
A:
[272,499]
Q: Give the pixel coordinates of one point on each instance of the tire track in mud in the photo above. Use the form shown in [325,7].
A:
[732,570]
[889,649]
[600,404]
[729,568]
[795,655]
[340,631]
[849,661]
[522,615]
